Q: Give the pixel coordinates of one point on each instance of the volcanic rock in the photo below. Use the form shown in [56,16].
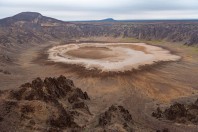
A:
[116,116]
[43,105]
[181,113]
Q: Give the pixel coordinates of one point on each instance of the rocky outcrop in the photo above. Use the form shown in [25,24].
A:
[116,118]
[50,89]
[52,104]
[181,113]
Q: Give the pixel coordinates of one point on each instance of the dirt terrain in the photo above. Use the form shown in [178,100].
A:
[139,91]
[118,100]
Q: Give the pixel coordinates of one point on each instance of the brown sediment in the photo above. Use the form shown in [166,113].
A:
[91,52]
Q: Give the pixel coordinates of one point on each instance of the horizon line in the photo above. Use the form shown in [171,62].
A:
[112,19]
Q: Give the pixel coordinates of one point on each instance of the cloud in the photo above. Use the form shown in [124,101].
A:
[98,9]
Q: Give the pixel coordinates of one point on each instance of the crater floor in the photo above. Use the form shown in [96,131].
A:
[110,56]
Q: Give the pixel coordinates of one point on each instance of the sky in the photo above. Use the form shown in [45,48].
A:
[72,10]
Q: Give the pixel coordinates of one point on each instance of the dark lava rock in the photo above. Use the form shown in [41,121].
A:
[5,72]
[43,105]
[50,88]
[78,94]
[79,105]
[116,115]
[27,109]
[158,113]
[180,113]
[175,111]
[196,102]
[62,121]
[1,119]
[163,130]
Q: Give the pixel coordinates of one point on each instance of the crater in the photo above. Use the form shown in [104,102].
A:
[118,57]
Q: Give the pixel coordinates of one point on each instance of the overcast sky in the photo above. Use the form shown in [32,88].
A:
[99,9]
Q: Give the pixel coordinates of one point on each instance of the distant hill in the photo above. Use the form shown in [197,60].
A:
[107,20]
[102,20]
[30,17]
